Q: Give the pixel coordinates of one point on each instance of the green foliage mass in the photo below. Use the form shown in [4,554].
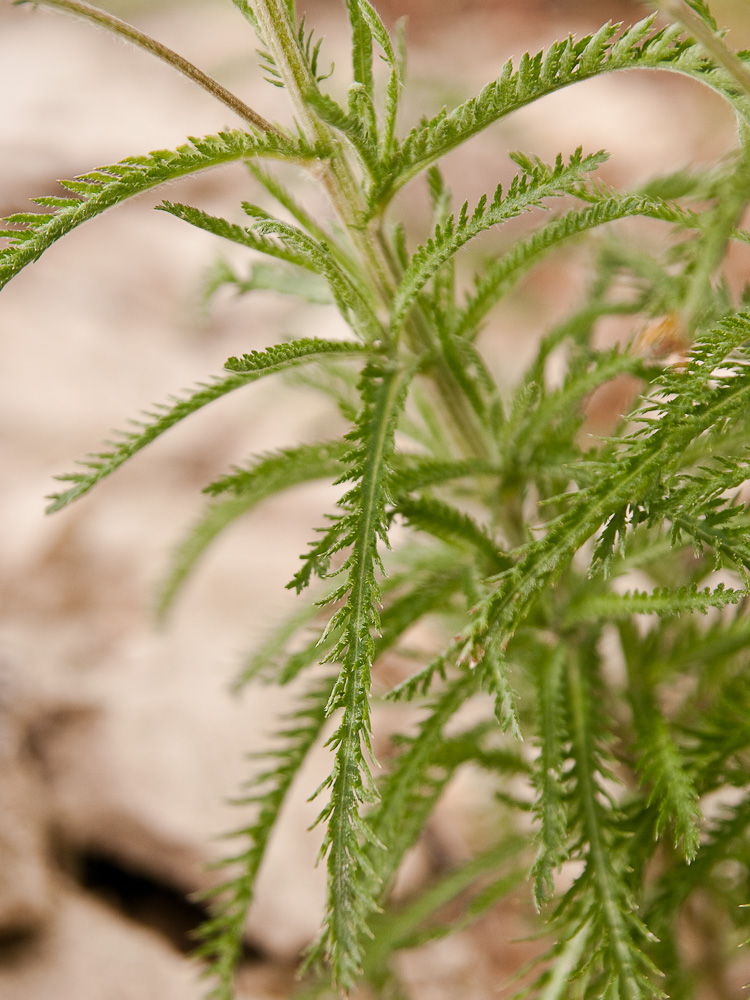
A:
[587,594]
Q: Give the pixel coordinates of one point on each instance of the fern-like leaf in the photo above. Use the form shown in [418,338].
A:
[565,62]
[222,934]
[548,774]
[284,197]
[266,277]
[527,190]
[416,472]
[245,237]
[663,768]
[246,369]
[662,602]
[105,187]
[353,301]
[405,928]
[364,524]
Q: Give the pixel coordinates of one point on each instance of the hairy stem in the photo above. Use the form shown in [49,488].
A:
[678,10]
[125,30]
[722,221]
[345,193]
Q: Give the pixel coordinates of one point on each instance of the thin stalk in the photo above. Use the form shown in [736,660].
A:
[345,192]
[712,42]
[559,980]
[279,35]
[722,221]
[173,59]
[463,425]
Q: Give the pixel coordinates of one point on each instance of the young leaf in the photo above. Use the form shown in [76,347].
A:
[357,125]
[361,48]
[499,275]
[236,234]
[267,476]
[245,370]
[349,900]
[222,934]
[104,187]
[446,522]
[527,190]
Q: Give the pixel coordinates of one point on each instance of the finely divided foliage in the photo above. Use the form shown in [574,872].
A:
[586,593]
[93,193]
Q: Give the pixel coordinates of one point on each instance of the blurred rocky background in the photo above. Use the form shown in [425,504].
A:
[119,741]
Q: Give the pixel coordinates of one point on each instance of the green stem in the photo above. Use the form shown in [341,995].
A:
[279,36]
[560,976]
[176,61]
[721,222]
[345,192]
[713,43]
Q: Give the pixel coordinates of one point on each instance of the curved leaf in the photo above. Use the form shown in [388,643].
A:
[105,187]
[267,476]
[564,63]
[499,275]
[351,298]
[246,369]
[236,234]
[526,191]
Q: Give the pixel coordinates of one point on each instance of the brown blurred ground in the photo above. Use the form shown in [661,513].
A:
[118,742]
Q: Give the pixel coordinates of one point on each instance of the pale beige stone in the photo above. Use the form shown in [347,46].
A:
[88,952]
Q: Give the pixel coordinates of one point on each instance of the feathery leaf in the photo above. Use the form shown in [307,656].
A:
[527,190]
[353,301]
[498,277]
[246,369]
[222,934]
[108,186]
[565,62]
[349,902]
[265,477]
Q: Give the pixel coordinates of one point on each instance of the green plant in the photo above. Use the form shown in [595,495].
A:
[521,525]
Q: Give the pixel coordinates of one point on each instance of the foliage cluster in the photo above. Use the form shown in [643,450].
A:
[526,533]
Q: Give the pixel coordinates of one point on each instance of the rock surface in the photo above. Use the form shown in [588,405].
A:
[119,741]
